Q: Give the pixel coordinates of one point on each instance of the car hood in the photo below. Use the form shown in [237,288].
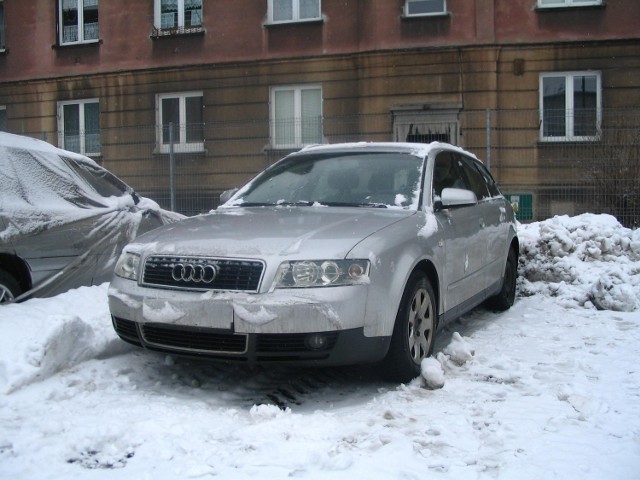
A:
[261,232]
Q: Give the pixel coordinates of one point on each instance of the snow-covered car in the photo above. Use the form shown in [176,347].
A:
[63,219]
[336,254]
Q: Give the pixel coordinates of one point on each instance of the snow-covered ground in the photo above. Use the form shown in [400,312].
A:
[548,389]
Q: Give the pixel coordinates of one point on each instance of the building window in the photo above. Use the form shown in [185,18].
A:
[425,7]
[570,106]
[180,119]
[178,16]
[78,21]
[281,11]
[79,126]
[2,44]
[567,3]
[296,116]
[3,118]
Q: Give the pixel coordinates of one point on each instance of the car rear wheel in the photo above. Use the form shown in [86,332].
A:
[9,288]
[507,295]
[414,331]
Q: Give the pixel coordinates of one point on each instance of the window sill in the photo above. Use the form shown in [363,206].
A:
[69,46]
[424,16]
[158,33]
[569,8]
[553,141]
[294,22]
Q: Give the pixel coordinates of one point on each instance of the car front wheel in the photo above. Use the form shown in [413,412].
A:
[414,331]
[507,295]
[9,288]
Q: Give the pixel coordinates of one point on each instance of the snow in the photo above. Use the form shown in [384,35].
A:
[548,389]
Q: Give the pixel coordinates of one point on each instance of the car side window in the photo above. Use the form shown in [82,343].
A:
[447,173]
[475,180]
[491,183]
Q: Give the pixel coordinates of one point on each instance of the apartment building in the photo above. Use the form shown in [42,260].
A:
[219,88]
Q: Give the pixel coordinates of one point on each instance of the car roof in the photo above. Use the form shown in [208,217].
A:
[418,149]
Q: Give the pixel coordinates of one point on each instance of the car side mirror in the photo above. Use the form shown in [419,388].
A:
[456,197]
[227,194]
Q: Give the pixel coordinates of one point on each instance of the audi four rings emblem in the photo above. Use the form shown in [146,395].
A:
[198,273]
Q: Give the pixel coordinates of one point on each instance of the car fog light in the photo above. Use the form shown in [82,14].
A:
[317,341]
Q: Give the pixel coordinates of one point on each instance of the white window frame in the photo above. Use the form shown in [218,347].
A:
[568,3]
[295,17]
[81,125]
[157,15]
[3,110]
[407,9]
[180,144]
[2,28]
[81,24]
[298,120]
[570,107]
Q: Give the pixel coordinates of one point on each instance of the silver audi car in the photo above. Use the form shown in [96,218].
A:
[336,254]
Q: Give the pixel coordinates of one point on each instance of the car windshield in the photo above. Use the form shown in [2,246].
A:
[351,179]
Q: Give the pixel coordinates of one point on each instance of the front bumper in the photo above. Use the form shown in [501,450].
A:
[302,326]
[345,347]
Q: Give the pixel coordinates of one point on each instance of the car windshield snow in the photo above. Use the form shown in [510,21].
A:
[356,179]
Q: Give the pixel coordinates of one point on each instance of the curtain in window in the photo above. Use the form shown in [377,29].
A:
[423,7]
[311,111]
[282,10]
[192,13]
[90,20]
[69,19]
[194,125]
[168,13]
[71,126]
[284,121]
[91,127]
[309,9]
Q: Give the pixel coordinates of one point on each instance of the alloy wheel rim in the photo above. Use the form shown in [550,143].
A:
[420,331]
[5,295]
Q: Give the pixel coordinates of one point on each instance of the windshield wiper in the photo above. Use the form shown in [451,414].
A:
[354,204]
[275,204]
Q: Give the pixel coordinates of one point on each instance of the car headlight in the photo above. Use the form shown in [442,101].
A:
[322,273]
[128,266]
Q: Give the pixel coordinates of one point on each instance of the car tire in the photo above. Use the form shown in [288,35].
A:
[9,288]
[414,331]
[507,295]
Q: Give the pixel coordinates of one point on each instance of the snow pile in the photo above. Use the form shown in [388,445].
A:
[456,354]
[41,337]
[588,260]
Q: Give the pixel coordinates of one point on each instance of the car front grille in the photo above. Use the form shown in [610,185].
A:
[202,273]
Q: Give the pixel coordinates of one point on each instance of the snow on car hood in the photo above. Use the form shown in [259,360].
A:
[292,232]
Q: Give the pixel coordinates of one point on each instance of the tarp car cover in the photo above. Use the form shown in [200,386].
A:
[65,216]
